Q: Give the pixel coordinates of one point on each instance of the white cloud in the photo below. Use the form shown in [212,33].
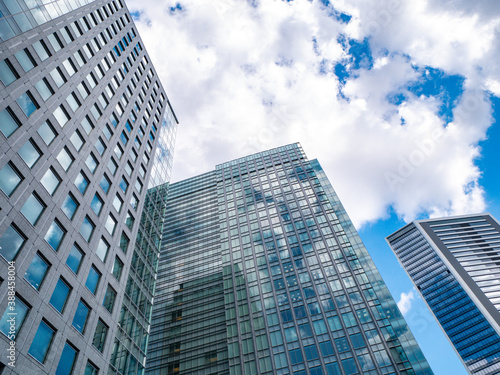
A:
[243,79]
[405,301]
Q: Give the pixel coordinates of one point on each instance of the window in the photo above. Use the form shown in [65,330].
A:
[77,140]
[87,125]
[25,60]
[109,299]
[105,183]
[296,356]
[61,116]
[50,181]
[349,366]
[65,158]
[134,201]
[33,208]
[91,163]
[44,89]
[69,206]
[311,352]
[102,250]
[100,146]
[96,204]
[41,342]
[93,279]
[27,104]
[112,166]
[11,242]
[9,179]
[8,122]
[30,153]
[129,220]
[73,102]
[21,310]
[67,360]
[74,258]
[100,334]
[41,50]
[55,235]
[124,241]
[117,268]
[7,72]
[58,77]
[110,224]
[46,132]
[326,348]
[90,369]
[117,203]
[36,271]
[81,182]
[81,314]
[87,228]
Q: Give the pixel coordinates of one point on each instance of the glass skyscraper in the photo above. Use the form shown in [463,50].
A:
[262,272]
[454,264]
[83,117]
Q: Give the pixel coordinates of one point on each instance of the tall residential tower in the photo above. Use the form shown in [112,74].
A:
[455,265]
[83,117]
[262,272]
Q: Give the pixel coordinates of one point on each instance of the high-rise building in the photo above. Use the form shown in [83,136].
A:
[454,264]
[262,272]
[83,116]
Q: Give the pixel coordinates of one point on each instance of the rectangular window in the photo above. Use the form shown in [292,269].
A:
[65,158]
[74,258]
[7,72]
[33,208]
[9,179]
[69,206]
[55,235]
[36,271]
[87,228]
[81,315]
[67,360]
[46,132]
[11,243]
[30,153]
[117,268]
[81,182]
[8,122]
[41,342]
[100,334]
[102,249]
[109,299]
[93,279]
[50,181]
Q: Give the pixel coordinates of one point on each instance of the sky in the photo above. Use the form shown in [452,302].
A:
[398,99]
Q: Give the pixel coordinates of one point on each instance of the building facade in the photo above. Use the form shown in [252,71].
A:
[83,116]
[454,264]
[262,272]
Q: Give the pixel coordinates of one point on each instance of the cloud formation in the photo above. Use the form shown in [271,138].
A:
[405,302]
[392,97]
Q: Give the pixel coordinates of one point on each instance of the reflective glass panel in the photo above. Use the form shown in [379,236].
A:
[21,310]
[46,132]
[55,235]
[87,228]
[41,342]
[29,153]
[27,105]
[93,280]
[36,271]
[81,182]
[10,243]
[50,181]
[81,315]
[32,209]
[74,259]
[67,360]
[69,206]
[9,179]
[8,123]
[60,295]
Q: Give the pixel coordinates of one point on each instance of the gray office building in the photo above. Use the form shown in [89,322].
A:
[83,117]
[454,263]
[262,272]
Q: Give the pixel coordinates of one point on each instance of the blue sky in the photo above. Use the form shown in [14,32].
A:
[398,100]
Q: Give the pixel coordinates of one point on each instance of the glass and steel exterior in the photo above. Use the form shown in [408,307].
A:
[262,272]
[83,116]
[454,264]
